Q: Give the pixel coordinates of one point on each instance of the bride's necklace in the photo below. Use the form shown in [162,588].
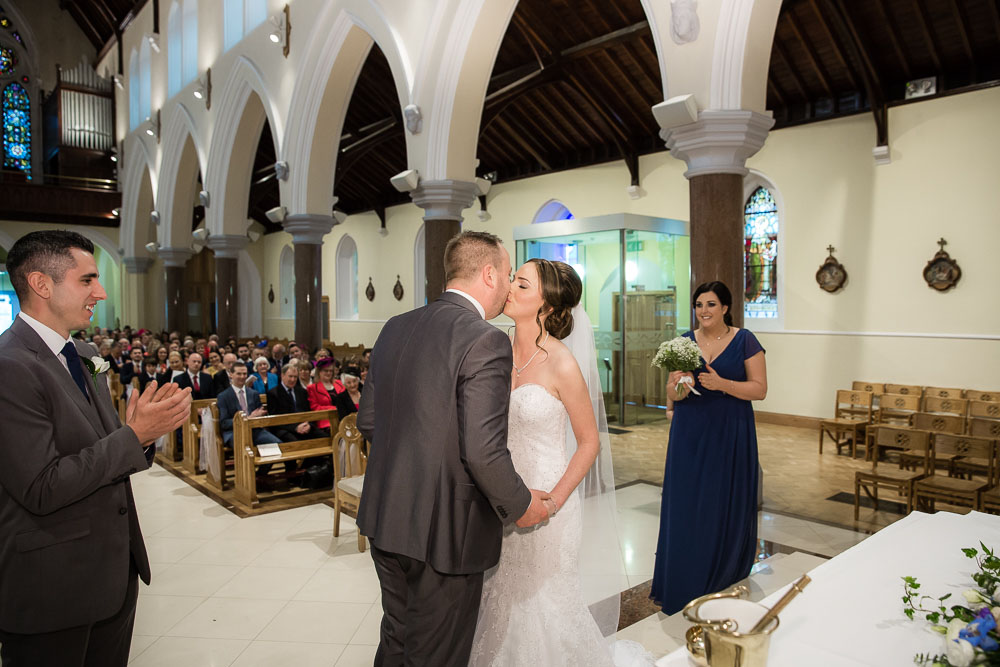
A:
[532,357]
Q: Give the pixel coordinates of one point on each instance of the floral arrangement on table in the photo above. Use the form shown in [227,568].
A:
[679,354]
[970,629]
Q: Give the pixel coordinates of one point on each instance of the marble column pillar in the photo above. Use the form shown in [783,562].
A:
[443,203]
[174,261]
[134,309]
[307,232]
[715,149]
[227,248]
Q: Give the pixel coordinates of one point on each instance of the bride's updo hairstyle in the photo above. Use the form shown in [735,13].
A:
[561,291]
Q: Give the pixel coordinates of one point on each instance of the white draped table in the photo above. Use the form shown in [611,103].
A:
[852,612]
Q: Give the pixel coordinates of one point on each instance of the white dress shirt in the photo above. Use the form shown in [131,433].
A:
[479,306]
[51,338]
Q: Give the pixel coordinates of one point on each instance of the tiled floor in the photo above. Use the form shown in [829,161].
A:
[279,589]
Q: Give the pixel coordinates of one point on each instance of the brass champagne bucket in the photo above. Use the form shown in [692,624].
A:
[722,635]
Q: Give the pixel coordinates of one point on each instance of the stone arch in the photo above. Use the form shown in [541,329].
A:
[138,200]
[251,317]
[183,159]
[335,53]
[245,105]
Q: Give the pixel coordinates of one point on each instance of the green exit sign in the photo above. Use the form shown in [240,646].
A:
[634,246]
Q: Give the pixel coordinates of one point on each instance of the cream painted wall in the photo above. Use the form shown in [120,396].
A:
[883,220]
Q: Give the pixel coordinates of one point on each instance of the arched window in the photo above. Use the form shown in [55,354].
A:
[760,255]
[175,51]
[347,279]
[133,91]
[286,282]
[239,18]
[189,64]
[552,210]
[145,81]
[16,128]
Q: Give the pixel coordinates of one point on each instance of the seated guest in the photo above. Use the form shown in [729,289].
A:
[148,373]
[161,356]
[199,381]
[175,368]
[278,358]
[287,398]
[243,355]
[305,374]
[107,356]
[214,362]
[221,380]
[241,398]
[133,367]
[322,391]
[262,380]
[348,401]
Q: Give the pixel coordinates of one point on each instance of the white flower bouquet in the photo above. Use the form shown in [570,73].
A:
[679,354]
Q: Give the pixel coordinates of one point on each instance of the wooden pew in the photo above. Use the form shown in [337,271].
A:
[192,436]
[247,457]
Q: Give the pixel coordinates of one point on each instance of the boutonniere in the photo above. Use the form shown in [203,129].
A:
[96,365]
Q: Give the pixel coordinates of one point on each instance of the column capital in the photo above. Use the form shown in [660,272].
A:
[227,246]
[175,257]
[445,199]
[308,228]
[719,142]
[137,264]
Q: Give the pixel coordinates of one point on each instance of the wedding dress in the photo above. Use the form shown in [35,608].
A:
[533,610]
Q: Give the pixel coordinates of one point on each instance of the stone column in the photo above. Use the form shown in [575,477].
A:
[133,293]
[227,248]
[715,149]
[307,232]
[174,261]
[443,203]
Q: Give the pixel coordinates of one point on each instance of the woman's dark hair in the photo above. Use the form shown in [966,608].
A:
[561,290]
[720,290]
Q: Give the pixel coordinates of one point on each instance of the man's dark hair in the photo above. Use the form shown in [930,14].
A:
[47,252]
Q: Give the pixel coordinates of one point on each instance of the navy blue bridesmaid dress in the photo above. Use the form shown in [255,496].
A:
[708,517]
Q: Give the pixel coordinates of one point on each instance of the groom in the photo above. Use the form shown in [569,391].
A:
[440,484]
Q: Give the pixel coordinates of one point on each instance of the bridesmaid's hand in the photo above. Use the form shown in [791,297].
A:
[672,380]
[712,380]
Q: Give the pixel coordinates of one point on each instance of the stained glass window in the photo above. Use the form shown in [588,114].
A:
[8,61]
[760,255]
[16,128]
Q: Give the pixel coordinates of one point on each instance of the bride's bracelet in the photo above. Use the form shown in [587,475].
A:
[550,506]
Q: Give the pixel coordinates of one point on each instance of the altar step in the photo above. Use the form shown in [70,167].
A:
[661,634]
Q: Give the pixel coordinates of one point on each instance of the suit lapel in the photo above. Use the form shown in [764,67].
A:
[68,387]
[101,395]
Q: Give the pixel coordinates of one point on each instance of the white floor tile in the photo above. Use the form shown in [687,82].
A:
[305,553]
[155,614]
[139,644]
[266,583]
[335,585]
[227,618]
[357,655]
[319,622]
[269,654]
[368,632]
[226,552]
[170,549]
[188,579]
[190,652]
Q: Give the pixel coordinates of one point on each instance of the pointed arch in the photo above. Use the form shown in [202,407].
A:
[347,278]
[763,226]
[551,210]
[183,159]
[251,317]
[286,283]
[138,200]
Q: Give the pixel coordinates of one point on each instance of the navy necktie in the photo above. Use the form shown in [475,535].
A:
[73,362]
[295,404]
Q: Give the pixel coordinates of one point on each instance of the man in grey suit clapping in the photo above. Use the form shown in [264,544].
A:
[70,546]
[440,484]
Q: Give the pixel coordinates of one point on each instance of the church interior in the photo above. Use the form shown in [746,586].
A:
[271,171]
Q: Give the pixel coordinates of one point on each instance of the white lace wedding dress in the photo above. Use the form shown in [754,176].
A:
[532,610]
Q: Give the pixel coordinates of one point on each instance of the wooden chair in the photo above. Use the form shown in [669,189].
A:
[979,395]
[948,424]
[984,409]
[894,410]
[986,428]
[246,456]
[945,406]
[943,392]
[348,473]
[966,466]
[217,477]
[848,423]
[876,388]
[914,443]
[192,436]
[952,490]
[904,389]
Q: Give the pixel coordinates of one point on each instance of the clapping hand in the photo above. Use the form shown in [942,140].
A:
[259,412]
[157,411]
[537,511]
[712,380]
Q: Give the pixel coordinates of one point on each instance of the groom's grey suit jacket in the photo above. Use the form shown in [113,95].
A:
[440,483]
[67,518]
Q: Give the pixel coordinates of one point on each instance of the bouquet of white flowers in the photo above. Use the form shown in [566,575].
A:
[679,354]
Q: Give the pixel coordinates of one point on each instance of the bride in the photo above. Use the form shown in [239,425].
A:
[534,610]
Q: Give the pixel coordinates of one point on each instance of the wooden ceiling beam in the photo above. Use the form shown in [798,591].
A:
[517,134]
[92,33]
[564,141]
[779,49]
[894,37]
[107,15]
[963,33]
[932,48]
[994,8]
[835,44]
[777,91]
[811,55]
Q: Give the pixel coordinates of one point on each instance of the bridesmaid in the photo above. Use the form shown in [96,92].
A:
[708,518]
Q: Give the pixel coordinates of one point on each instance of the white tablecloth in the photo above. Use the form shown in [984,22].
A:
[852,612]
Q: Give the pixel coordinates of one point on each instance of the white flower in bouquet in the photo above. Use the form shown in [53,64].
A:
[960,653]
[975,599]
[679,354]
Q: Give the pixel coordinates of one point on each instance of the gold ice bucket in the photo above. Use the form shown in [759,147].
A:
[722,636]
